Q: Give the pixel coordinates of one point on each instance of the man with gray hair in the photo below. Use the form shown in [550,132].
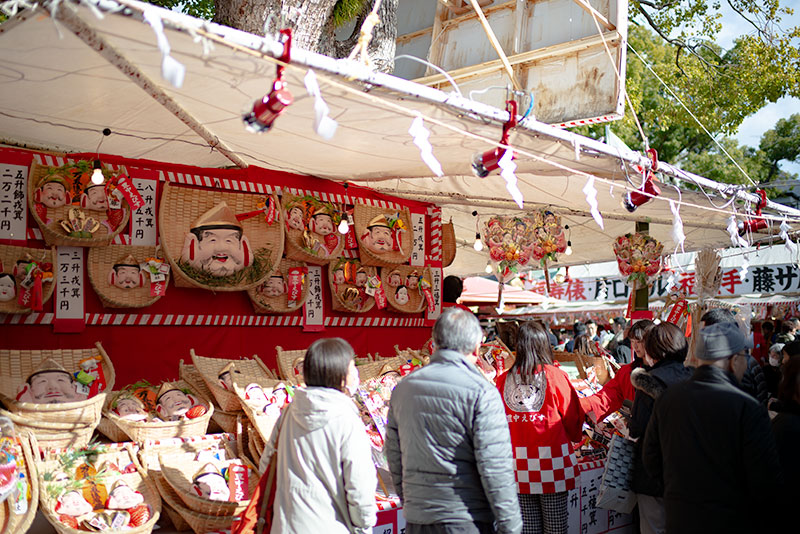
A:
[447,440]
[711,444]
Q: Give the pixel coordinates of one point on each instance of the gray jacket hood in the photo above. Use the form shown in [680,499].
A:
[314,407]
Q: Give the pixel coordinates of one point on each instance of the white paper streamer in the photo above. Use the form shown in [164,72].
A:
[745,268]
[591,199]
[172,70]
[323,124]
[672,280]
[12,7]
[788,243]
[678,237]
[421,135]
[733,230]
[507,164]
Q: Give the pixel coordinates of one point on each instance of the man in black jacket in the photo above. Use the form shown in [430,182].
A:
[711,444]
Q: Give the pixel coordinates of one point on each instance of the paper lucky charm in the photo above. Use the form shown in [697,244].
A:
[126,274]
[210,484]
[216,243]
[49,384]
[638,258]
[8,287]
[173,403]
[31,276]
[383,234]
[225,378]
[321,237]
[91,375]
[510,244]
[129,408]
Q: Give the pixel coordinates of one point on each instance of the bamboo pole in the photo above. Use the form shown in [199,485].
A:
[495,43]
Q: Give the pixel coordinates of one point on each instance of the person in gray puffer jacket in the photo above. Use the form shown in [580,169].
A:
[447,440]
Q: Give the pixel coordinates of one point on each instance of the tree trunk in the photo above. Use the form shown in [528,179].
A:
[312,28]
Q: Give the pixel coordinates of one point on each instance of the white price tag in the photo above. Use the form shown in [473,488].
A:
[418,246]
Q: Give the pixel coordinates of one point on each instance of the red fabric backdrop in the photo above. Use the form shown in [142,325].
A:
[153,352]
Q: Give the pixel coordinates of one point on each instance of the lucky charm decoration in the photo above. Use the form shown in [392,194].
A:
[639,257]
[510,241]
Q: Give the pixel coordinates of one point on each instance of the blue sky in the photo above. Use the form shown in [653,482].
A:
[754,126]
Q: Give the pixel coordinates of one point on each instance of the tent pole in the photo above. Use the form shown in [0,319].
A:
[641,305]
[97,43]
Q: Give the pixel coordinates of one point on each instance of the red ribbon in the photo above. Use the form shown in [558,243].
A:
[129,191]
[295,289]
[380,297]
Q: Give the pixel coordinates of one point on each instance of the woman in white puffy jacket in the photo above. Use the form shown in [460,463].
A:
[325,479]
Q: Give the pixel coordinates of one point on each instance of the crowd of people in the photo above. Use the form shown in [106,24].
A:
[468,456]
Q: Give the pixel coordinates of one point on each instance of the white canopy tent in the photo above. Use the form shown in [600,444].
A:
[67,75]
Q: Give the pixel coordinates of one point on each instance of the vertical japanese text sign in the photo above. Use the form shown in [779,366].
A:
[69,290]
[13,201]
[418,247]
[436,289]
[313,312]
[144,230]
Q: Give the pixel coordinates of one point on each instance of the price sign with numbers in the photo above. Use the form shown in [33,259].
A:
[436,289]
[144,230]
[418,247]
[313,312]
[13,201]
[69,290]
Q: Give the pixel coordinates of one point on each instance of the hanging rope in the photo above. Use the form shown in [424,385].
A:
[367,27]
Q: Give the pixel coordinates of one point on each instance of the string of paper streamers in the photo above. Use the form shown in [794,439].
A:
[421,135]
[323,124]
[508,167]
[591,199]
[172,70]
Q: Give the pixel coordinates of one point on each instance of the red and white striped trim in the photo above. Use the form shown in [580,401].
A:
[58,161]
[435,215]
[391,504]
[592,120]
[351,254]
[585,466]
[34,233]
[146,319]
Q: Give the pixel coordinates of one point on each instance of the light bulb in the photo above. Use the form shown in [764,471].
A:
[478,245]
[568,250]
[489,268]
[97,173]
[343,227]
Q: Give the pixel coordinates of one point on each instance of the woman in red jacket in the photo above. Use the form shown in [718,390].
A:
[544,418]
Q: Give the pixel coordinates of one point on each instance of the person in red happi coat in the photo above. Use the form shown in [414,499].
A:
[544,418]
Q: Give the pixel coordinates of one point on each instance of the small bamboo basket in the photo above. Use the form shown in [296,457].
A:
[11,523]
[140,431]
[209,369]
[362,215]
[347,296]
[280,304]
[178,472]
[262,423]
[102,261]
[448,244]
[109,429]
[409,276]
[199,523]
[379,367]
[54,425]
[181,206]
[137,480]
[189,374]
[296,248]
[290,365]
[8,260]
[53,233]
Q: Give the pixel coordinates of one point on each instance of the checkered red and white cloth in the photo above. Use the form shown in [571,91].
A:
[545,469]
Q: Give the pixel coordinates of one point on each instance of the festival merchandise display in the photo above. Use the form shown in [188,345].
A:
[262,400]
[218,374]
[26,278]
[220,241]
[638,258]
[494,359]
[170,410]
[57,394]
[407,289]
[220,419]
[312,234]
[97,488]
[127,276]
[285,291]
[19,484]
[384,236]
[351,289]
[510,241]
[72,210]
[290,365]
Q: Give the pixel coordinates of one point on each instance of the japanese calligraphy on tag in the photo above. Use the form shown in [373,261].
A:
[313,311]
[436,290]
[69,283]
[418,247]
[143,219]
[13,201]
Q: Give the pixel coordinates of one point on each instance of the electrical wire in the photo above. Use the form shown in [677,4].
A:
[435,67]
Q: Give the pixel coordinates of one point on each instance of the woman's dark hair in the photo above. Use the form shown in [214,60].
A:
[327,363]
[452,286]
[584,345]
[638,330]
[533,351]
[788,390]
[665,341]
[792,348]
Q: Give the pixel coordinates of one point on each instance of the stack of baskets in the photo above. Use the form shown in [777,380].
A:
[227,401]
[117,454]
[149,458]
[173,465]
[54,425]
[189,374]
[140,431]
